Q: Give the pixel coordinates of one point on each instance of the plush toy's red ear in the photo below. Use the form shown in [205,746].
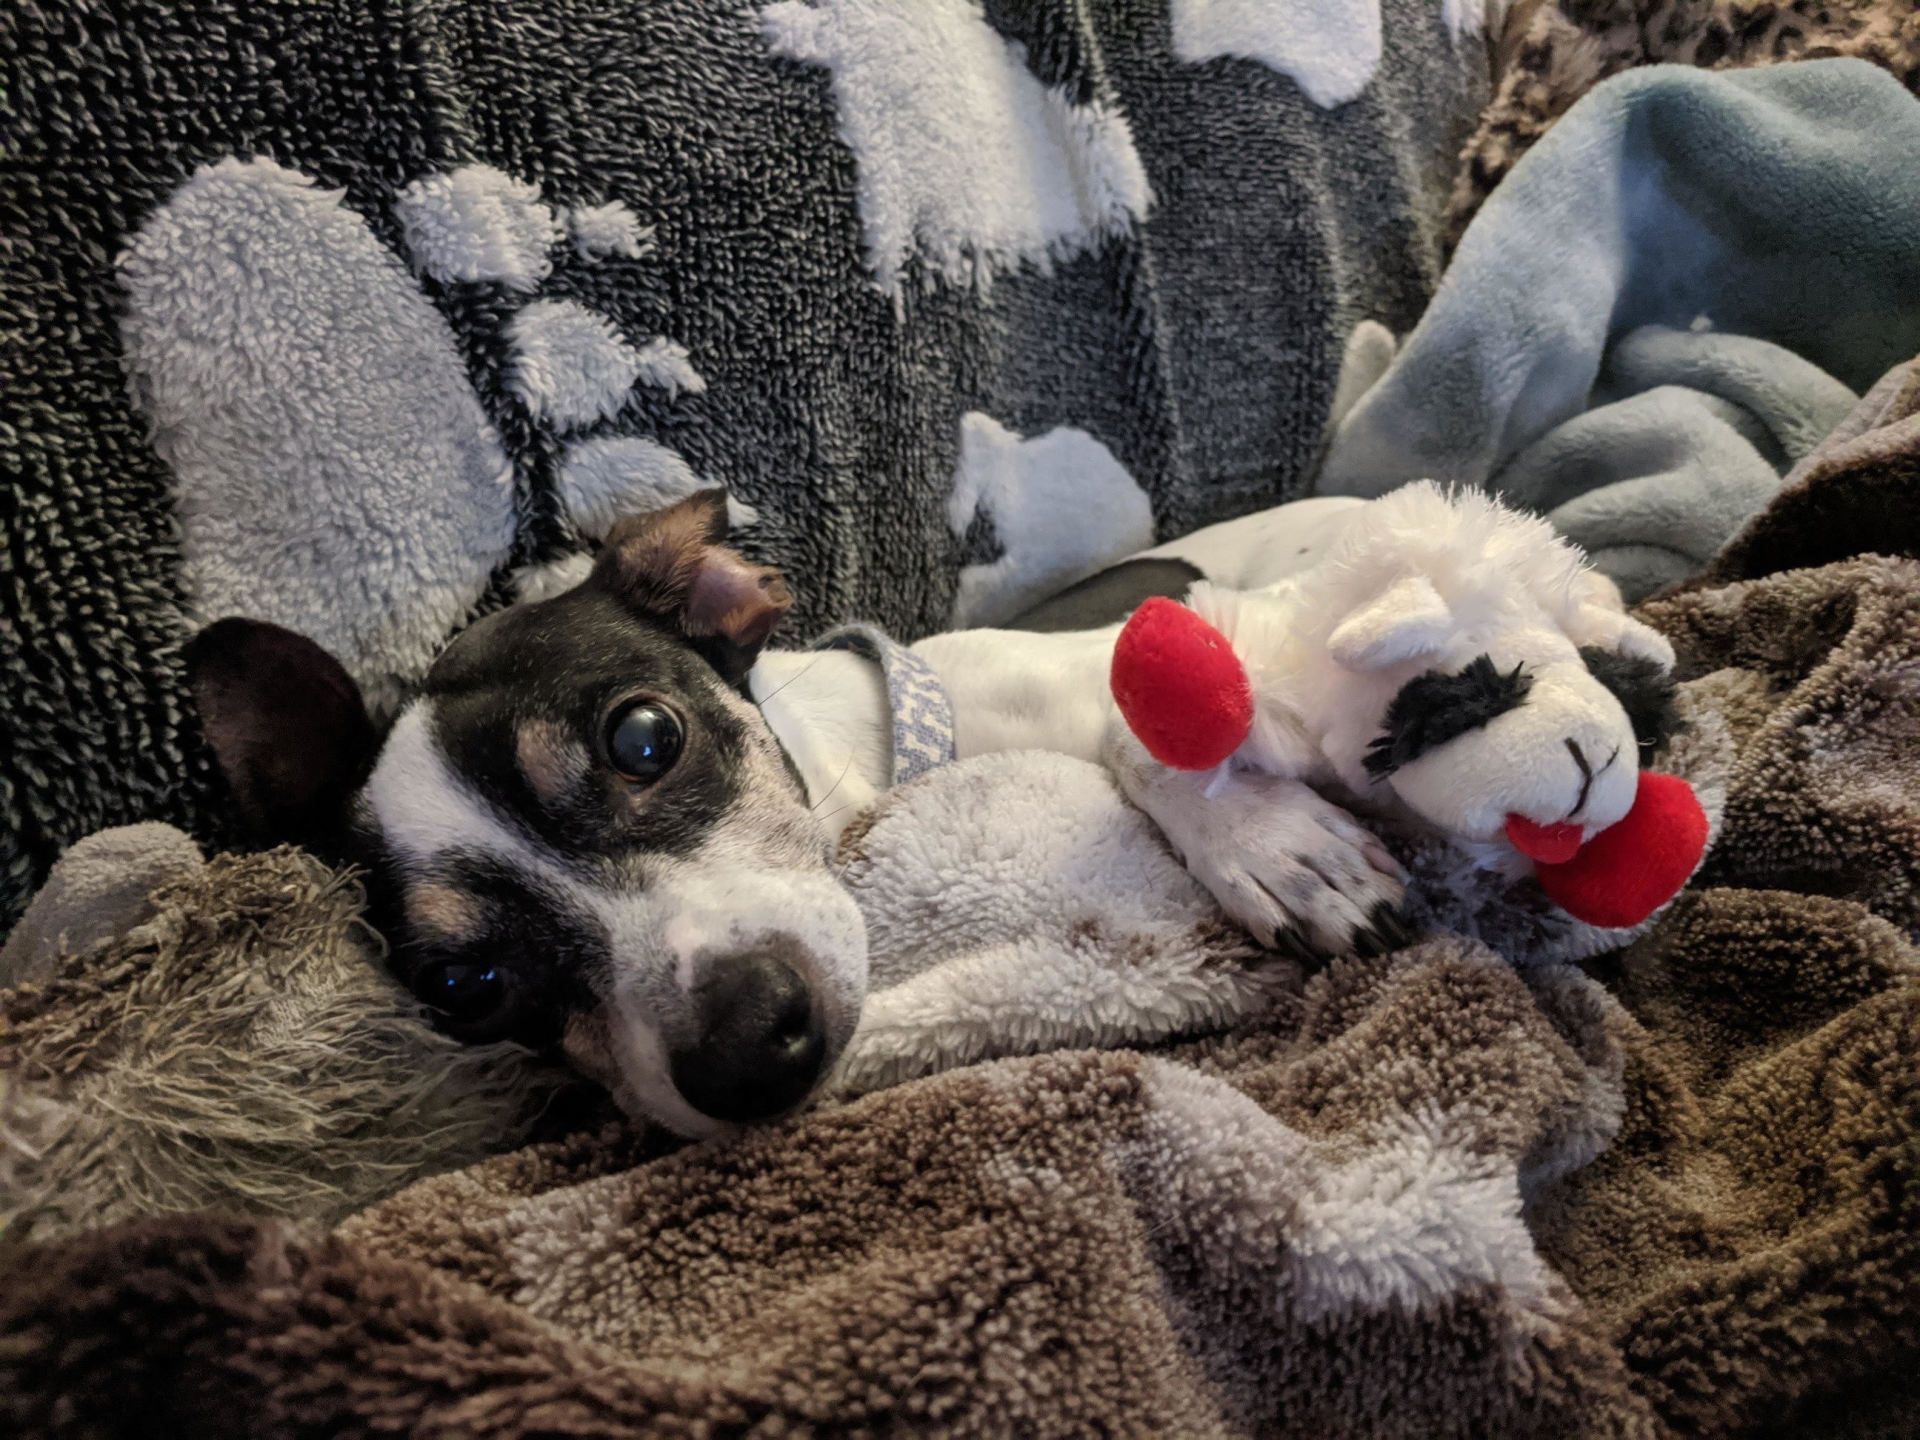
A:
[1629,870]
[1179,686]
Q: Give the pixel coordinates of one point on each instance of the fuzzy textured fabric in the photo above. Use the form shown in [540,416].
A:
[102,888]
[1853,495]
[1551,52]
[364,318]
[1674,1191]
[237,1046]
[282,355]
[1017,904]
[1670,301]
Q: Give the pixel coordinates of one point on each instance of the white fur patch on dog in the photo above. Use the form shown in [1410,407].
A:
[1329,48]
[1061,505]
[423,808]
[283,356]
[1016,903]
[478,223]
[604,479]
[966,161]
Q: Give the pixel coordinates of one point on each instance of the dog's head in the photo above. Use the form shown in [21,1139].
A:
[580,834]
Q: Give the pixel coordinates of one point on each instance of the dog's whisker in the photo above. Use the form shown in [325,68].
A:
[783,684]
[836,784]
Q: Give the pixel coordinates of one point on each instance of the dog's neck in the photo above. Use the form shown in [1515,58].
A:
[829,709]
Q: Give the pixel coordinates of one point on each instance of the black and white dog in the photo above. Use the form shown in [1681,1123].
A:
[605,826]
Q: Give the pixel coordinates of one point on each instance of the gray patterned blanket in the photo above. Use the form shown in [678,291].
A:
[362,318]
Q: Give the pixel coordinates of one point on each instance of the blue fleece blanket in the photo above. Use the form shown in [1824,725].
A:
[1667,304]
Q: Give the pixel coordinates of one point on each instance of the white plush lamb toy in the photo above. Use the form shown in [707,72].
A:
[1451,661]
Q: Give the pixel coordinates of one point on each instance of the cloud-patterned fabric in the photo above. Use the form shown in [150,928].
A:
[367,319]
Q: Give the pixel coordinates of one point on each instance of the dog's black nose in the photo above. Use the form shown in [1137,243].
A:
[761,1042]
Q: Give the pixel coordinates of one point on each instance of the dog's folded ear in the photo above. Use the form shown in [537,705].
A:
[673,564]
[287,726]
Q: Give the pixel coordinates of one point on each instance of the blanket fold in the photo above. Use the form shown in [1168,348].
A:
[1853,495]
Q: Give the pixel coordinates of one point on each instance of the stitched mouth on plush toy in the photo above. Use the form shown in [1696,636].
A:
[1556,842]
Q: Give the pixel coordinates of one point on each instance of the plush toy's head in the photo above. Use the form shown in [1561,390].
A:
[1499,720]
[1450,658]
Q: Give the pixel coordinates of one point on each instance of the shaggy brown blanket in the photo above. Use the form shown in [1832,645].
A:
[1675,1191]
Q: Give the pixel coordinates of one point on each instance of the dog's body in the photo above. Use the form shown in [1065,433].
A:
[605,826]
[1021,688]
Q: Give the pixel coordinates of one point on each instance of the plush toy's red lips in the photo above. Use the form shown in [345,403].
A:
[1545,844]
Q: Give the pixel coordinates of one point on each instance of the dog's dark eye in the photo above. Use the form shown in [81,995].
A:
[467,993]
[643,741]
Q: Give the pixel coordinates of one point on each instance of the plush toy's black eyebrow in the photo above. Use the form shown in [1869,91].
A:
[1645,691]
[1434,708]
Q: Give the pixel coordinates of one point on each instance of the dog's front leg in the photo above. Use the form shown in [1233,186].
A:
[1297,871]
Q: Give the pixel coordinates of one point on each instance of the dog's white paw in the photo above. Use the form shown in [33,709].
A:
[1297,871]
